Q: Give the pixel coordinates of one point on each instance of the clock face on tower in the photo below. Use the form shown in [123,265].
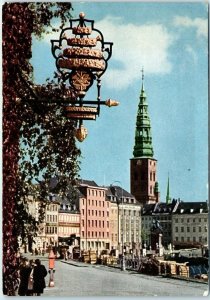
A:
[139,162]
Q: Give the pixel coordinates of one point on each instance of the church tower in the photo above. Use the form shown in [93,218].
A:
[143,178]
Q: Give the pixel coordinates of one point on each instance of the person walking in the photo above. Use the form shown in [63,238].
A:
[39,275]
[24,274]
[31,279]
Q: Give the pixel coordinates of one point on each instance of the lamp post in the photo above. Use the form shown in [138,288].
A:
[122,237]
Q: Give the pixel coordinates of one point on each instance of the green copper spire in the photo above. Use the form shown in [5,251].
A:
[143,137]
[168,198]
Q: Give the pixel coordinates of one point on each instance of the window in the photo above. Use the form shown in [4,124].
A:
[193,229]
[96,223]
[83,211]
[182,229]
[92,222]
[92,202]
[88,233]
[88,223]
[150,189]
[83,223]
[96,202]
[99,223]
[199,229]
[88,212]
[176,229]
[188,229]
[92,212]
[103,213]
[89,202]
[194,239]
[188,220]
[108,224]
[99,213]
[83,234]
[154,176]
[107,214]
[96,213]
[182,239]
[99,203]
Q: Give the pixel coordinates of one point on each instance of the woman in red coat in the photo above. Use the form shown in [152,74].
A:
[39,275]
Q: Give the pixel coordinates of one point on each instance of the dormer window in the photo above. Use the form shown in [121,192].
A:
[191,210]
[201,210]
[181,210]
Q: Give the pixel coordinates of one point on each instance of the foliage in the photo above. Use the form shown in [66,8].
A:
[48,137]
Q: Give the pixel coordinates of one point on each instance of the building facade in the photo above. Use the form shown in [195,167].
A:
[95,223]
[125,220]
[190,224]
[68,224]
[161,213]
[51,222]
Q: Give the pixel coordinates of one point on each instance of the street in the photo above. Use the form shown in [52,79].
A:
[78,279]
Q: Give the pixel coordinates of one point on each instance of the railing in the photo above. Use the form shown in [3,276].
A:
[130,263]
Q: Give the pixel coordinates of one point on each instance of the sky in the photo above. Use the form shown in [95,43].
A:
[170,41]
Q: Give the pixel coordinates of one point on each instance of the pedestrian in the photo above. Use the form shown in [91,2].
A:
[31,279]
[24,272]
[39,275]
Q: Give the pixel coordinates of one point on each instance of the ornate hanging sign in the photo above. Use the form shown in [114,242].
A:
[81,57]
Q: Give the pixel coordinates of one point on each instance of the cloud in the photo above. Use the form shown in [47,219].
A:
[135,46]
[191,53]
[200,25]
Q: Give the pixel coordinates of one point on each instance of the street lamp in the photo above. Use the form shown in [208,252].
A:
[122,237]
